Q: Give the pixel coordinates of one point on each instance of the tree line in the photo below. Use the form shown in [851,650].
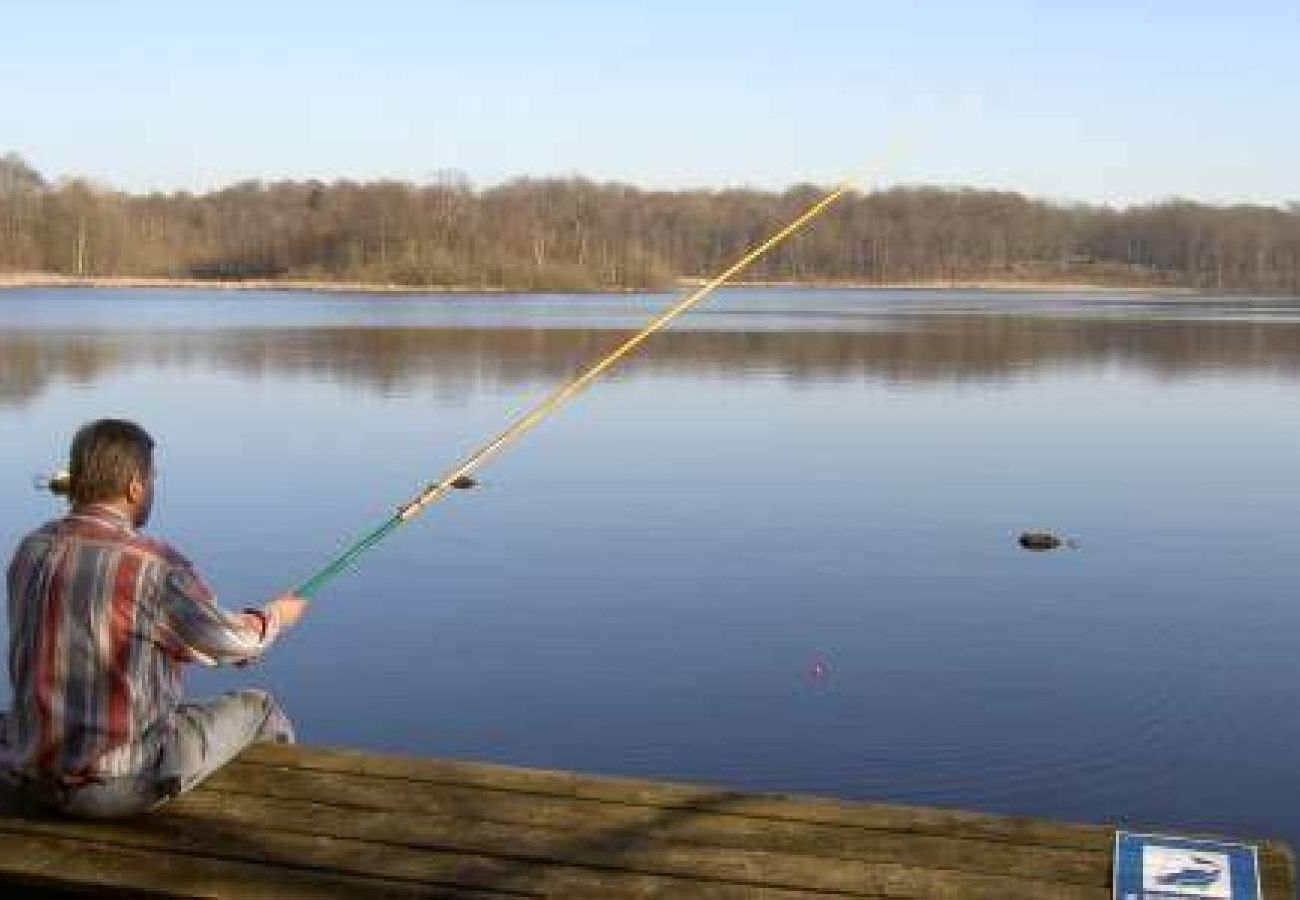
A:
[575,234]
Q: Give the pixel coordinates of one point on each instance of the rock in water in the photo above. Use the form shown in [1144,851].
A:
[1040,540]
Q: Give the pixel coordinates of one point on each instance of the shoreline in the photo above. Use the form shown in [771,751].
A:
[13,280]
[1027,286]
[52,280]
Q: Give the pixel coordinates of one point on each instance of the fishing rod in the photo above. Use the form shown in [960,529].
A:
[458,477]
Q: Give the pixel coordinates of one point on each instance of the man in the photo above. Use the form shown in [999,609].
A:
[101,622]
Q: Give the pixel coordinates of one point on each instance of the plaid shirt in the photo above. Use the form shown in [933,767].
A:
[101,621]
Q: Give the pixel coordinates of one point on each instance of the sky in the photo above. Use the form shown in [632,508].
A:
[1096,102]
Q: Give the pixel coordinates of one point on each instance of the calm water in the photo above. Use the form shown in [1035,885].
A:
[776,551]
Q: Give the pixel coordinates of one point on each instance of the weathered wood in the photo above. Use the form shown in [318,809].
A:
[393,869]
[1276,860]
[48,859]
[550,822]
[737,876]
[645,849]
[295,822]
[649,793]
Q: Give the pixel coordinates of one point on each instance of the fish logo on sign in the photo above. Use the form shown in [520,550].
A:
[1175,872]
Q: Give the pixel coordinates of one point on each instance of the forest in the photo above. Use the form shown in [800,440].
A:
[574,234]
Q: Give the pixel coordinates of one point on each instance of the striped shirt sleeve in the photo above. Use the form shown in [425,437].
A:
[192,626]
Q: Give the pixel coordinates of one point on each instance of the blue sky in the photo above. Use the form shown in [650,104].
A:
[1093,101]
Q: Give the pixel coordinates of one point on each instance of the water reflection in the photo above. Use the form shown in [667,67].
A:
[902,348]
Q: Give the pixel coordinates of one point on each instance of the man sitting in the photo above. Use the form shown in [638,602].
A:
[101,622]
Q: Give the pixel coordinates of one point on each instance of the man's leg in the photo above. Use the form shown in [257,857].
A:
[208,735]
[101,799]
[211,733]
[109,798]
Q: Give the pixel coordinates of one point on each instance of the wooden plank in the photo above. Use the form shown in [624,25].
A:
[50,860]
[216,838]
[655,794]
[645,850]
[636,792]
[1277,859]
[549,824]
[175,840]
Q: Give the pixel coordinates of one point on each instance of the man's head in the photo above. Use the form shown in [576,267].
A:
[111,461]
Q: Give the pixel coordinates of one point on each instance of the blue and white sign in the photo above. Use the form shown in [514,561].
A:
[1158,867]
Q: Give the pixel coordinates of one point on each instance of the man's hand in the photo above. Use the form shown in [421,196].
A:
[288,608]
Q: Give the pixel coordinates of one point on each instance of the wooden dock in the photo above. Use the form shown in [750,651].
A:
[284,822]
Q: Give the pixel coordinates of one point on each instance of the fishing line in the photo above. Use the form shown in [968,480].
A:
[458,476]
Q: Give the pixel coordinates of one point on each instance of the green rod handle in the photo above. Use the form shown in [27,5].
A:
[344,560]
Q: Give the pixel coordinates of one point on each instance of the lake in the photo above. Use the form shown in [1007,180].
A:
[776,550]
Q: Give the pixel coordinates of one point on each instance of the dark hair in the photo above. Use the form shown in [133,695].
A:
[105,456]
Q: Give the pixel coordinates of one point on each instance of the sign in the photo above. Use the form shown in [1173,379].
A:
[1158,867]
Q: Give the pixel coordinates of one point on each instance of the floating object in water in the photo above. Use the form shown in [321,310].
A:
[462,482]
[1045,540]
[818,670]
[60,483]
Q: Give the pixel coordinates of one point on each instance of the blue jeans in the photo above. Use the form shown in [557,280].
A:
[208,735]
